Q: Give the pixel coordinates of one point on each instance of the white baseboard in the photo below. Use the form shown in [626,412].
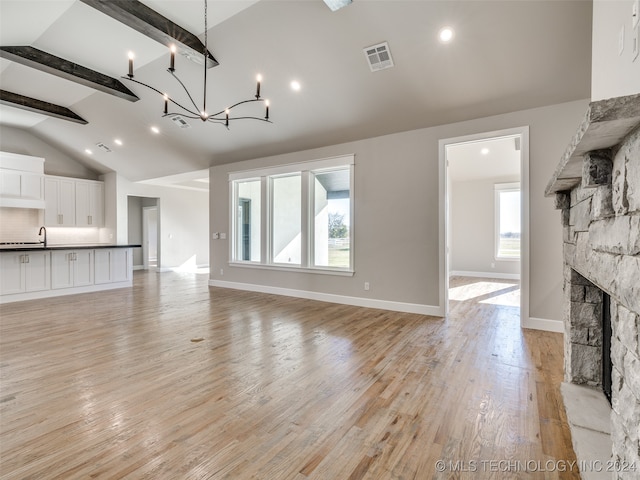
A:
[543,324]
[504,276]
[59,292]
[331,298]
[138,267]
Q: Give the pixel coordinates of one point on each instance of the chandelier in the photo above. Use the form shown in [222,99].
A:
[223,116]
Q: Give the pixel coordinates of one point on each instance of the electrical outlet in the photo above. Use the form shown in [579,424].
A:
[493,265]
[223,236]
[215,236]
[366,285]
[221,272]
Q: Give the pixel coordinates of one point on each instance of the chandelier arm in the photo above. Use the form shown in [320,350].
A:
[236,104]
[185,89]
[247,118]
[162,94]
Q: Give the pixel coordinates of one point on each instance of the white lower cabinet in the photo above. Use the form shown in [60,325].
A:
[24,272]
[71,268]
[113,265]
[40,274]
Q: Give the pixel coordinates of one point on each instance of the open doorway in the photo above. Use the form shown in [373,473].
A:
[484,219]
[144,229]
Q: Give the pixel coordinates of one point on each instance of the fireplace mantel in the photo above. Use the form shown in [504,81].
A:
[606,123]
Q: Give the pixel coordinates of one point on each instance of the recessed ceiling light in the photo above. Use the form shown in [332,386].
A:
[484,151]
[295,86]
[446,34]
[117,141]
[88,152]
[155,129]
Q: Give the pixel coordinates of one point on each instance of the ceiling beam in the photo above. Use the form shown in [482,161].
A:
[45,62]
[138,16]
[38,106]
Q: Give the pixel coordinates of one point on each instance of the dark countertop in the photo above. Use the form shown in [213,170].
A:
[31,248]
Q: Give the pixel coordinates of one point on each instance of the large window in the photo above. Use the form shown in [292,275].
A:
[298,216]
[508,224]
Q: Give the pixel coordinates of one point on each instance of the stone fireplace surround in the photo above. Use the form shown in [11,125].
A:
[597,188]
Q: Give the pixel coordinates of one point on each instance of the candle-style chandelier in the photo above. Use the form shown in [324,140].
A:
[223,116]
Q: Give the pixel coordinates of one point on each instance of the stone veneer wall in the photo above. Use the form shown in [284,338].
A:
[601,219]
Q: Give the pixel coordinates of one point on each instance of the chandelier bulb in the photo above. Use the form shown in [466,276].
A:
[172,64]
[131,64]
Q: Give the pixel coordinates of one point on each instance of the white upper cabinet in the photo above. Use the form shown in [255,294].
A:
[60,202]
[89,204]
[73,203]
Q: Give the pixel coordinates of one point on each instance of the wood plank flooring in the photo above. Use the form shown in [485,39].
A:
[173,379]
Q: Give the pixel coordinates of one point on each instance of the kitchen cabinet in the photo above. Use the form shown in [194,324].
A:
[89,204]
[60,202]
[113,265]
[21,181]
[71,268]
[22,272]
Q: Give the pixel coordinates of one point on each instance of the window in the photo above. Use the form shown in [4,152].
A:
[507,219]
[298,216]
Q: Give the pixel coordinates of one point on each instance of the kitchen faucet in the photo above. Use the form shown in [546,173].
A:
[45,235]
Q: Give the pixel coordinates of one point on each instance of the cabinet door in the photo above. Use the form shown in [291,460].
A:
[51,217]
[82,268]
[102,266]
[67,203]
[11,273]
[83,205]
[36,272]
[61,269]
[97,204]
[120,271]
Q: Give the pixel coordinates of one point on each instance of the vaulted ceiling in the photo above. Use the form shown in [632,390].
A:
[505,56]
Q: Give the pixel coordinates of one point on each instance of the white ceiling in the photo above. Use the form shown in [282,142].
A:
[486,159]
[506,56]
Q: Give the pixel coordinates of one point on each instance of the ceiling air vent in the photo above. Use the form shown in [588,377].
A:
[179,121]
[103,147]
[379,56]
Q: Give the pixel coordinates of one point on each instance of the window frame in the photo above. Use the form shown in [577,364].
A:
[498,189]
[307,171]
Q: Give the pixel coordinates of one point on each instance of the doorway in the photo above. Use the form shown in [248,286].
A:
[150,237]
[484,213]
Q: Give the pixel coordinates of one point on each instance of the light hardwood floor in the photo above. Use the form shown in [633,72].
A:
[172,379]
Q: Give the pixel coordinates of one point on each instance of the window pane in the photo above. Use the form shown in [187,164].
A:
[509,228]
[286,217]
[247,235]
[332,209]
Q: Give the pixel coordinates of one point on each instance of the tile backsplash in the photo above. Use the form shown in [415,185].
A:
[23,224]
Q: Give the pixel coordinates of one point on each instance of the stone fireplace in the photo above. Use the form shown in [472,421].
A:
[597,189]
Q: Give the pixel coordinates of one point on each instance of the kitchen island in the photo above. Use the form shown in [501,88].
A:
[30,271]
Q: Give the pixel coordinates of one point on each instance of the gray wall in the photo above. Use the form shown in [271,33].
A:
[16,140]
[396,212]
[472,227]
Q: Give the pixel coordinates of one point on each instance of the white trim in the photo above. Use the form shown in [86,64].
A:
[309,165]
[293,268]
[331,298]
[19,297]
[504,276]
[164,269]
[139,267]
[443,260]
[543,324]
